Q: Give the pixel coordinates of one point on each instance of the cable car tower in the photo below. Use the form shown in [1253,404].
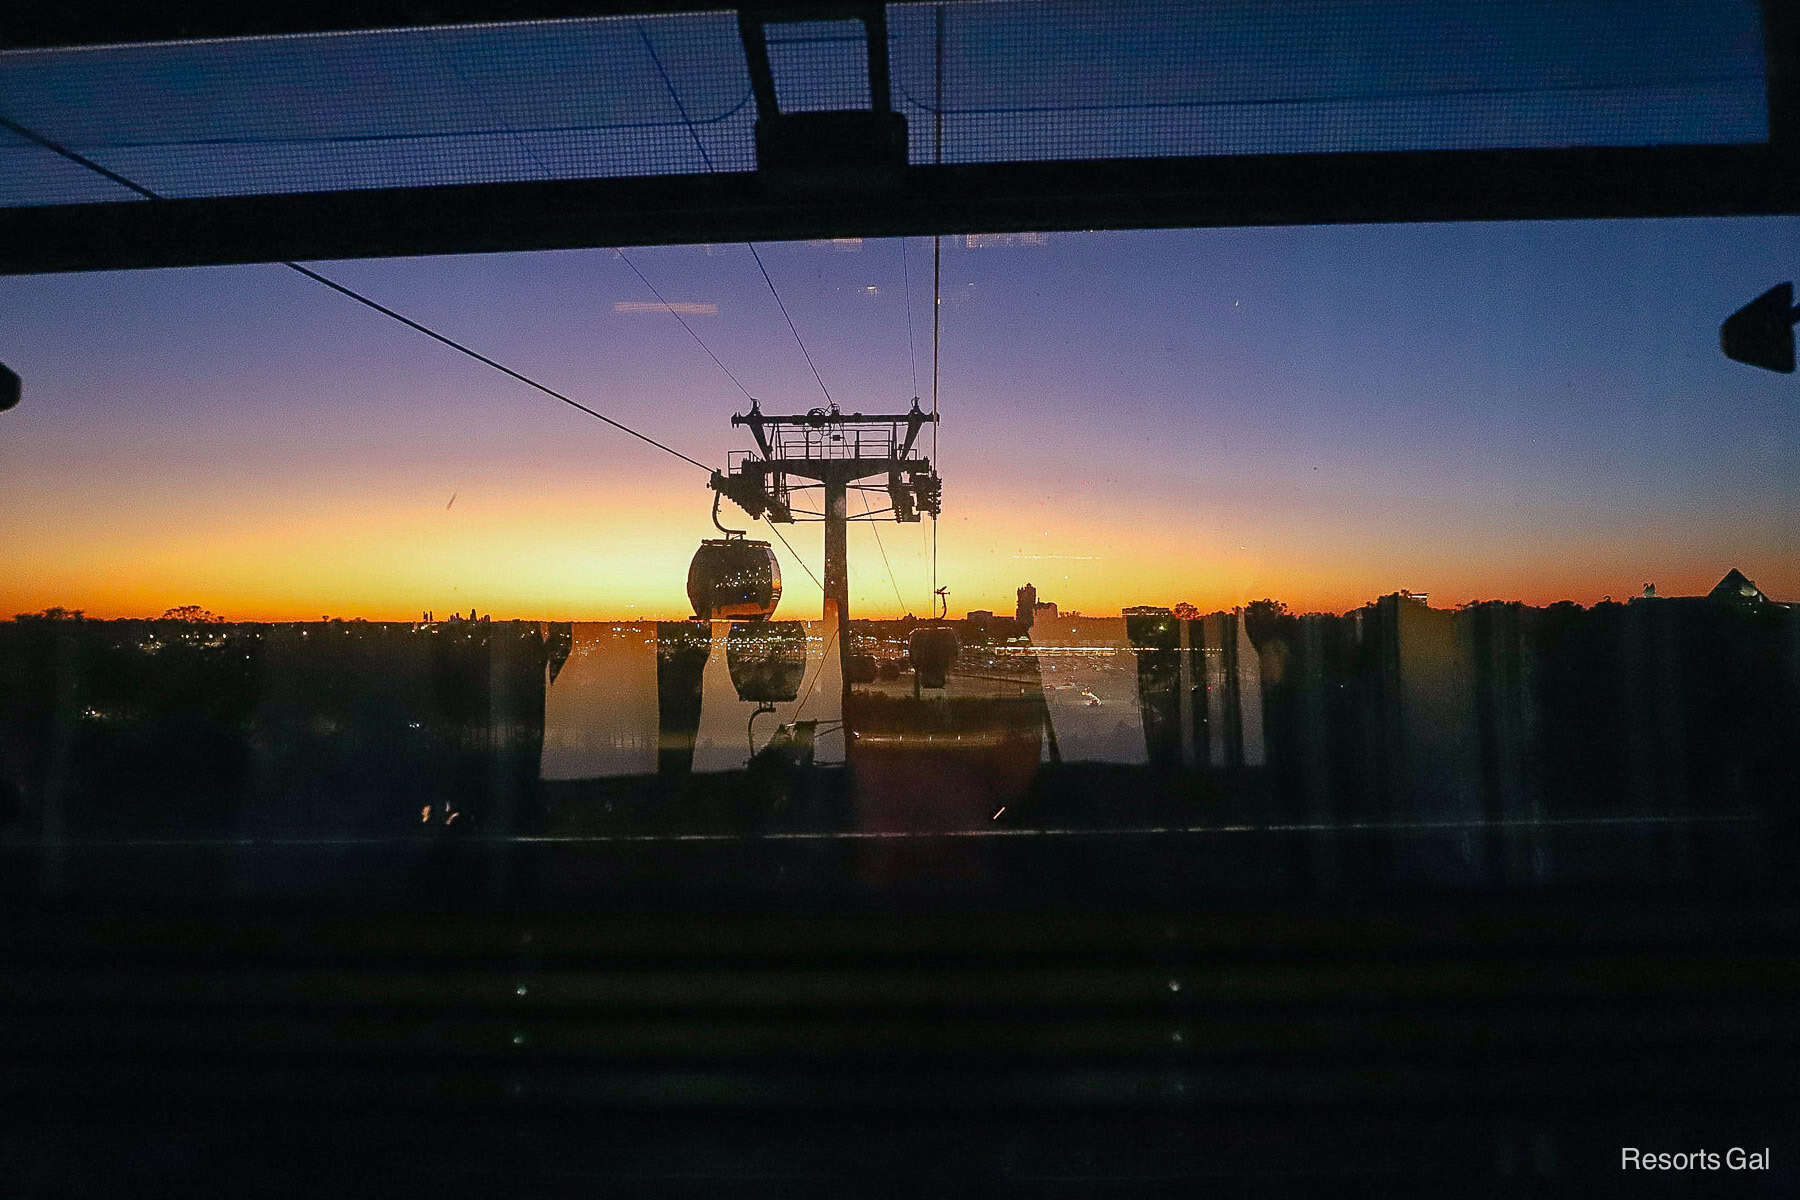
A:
[834,453]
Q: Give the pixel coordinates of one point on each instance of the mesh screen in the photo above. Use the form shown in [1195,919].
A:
[1064,79]
[819,65]
[412,107]
[1021,80]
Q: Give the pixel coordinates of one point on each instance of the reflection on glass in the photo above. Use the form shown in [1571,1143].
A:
[1278,425]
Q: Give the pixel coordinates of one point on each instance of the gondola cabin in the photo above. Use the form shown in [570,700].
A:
[734,579]
[933,650]
[767,660]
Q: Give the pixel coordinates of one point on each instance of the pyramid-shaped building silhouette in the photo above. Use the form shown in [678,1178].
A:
[1737,588]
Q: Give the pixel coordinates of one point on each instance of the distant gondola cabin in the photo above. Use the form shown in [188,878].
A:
[767,660]
[933,650]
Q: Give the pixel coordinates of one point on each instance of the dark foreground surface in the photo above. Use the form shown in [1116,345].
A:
[1394,903]
[1457,1044]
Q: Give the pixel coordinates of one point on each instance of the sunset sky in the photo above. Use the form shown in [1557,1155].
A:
[1525,411]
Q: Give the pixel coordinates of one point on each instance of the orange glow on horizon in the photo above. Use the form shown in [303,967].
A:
[621,551]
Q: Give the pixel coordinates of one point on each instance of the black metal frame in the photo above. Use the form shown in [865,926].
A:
[43,24]
[1012,197]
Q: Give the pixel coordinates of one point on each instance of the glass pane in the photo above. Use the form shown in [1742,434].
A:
[1277,560]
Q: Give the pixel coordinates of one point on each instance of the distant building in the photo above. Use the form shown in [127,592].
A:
[1031,608]
[1735,588]
[980,616]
